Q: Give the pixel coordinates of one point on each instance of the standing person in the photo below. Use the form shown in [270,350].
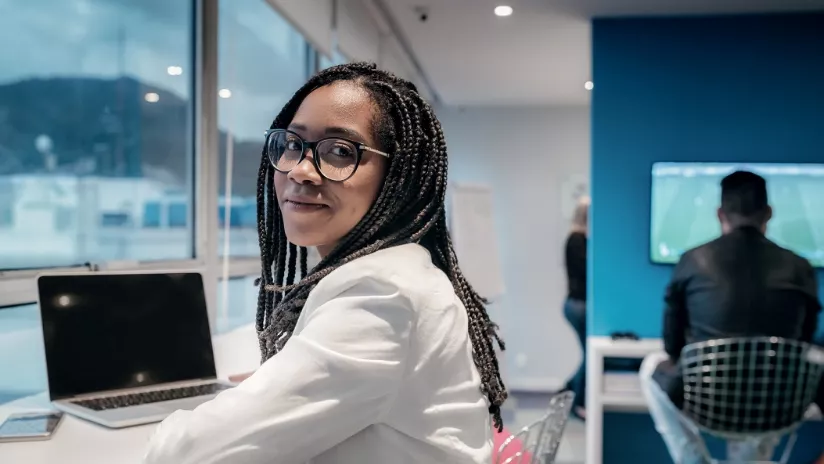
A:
[575,306]
[382,352]
[738,285]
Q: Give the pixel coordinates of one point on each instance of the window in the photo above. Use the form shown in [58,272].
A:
[6,202]
[22,361]
[95,125]
[237,299]
[6,219]
[237,303]
[151,215]
[178,214]
[336,59]
[263,60]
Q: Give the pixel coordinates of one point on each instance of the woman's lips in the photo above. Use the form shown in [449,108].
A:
[303,207]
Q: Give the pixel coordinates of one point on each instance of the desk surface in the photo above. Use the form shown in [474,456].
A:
[623,348]
[79,442]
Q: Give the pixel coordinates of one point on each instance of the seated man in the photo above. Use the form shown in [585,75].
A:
[739,285]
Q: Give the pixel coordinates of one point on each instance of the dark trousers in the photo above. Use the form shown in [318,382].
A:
[575,312]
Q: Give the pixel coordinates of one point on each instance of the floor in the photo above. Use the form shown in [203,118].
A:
[524,408]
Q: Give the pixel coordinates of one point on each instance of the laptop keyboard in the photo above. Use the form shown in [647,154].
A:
[136,399]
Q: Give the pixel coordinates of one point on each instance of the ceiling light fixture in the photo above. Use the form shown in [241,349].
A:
[174,70]
[152,97]
[503,10]
[224,93]
[589,85]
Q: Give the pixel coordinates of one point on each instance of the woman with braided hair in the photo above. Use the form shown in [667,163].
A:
[381,353]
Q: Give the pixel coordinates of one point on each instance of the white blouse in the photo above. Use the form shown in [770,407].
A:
[379,370]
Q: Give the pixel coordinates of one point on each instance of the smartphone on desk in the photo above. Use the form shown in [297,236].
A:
[30,426]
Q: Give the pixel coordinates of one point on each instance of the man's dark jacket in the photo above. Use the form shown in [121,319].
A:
[739,285]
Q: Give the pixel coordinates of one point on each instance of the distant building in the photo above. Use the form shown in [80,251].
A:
[58,220]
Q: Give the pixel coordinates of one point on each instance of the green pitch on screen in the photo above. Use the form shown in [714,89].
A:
[685,198]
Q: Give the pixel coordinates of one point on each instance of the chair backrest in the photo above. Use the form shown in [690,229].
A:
[749,387]
[541,439]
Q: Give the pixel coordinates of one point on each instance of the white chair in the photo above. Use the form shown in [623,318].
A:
[742,389]
[541,439]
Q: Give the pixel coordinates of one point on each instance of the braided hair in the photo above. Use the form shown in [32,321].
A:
[408,209]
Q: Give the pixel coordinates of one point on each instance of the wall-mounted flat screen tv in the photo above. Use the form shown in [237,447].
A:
[686,196]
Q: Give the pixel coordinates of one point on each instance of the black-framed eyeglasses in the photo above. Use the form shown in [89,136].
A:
[335,158]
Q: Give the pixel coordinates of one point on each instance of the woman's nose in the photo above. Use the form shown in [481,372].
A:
[305,172]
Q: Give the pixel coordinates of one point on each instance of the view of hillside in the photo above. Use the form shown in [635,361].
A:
[106,127]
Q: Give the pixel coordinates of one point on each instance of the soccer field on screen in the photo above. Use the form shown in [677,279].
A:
[685,198]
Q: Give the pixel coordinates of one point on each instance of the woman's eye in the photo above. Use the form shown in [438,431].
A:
[293,145]
[342,151]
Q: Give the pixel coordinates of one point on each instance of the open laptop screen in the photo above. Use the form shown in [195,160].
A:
[112,331]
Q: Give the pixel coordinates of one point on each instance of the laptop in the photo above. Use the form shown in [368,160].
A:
[125,349]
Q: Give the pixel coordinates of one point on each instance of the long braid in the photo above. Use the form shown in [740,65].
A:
[409,209]
[280,265]
[266,273]
[303,262]
[293,261]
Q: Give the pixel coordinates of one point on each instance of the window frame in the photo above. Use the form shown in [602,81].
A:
[18,287]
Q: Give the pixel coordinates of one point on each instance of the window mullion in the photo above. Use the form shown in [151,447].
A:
[206,155]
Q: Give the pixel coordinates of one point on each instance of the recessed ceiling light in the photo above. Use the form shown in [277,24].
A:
[503,10]
[152,97]
[589,85]
[174,70]
[224,93]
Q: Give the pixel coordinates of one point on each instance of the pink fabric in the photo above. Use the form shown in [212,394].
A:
[516,445]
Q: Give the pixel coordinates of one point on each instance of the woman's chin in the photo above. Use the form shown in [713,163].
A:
[307,239]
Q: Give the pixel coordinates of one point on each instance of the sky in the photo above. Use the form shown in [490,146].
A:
[261,57]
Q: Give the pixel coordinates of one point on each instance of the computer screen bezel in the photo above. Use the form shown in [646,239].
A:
[86,273]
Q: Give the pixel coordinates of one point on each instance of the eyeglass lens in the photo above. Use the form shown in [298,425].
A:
[336,158]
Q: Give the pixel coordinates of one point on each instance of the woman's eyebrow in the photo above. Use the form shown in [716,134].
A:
[331,130]
[298,127]
[343,131]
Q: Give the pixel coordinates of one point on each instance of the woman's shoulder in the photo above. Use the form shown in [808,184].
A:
[406,269]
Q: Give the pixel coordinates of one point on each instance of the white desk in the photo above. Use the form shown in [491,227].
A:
[599,348]
[79,442]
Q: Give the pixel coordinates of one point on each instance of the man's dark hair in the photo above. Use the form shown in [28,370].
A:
[408,209]
[744,198]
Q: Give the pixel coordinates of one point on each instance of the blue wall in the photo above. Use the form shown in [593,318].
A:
[728,89]
[736,88]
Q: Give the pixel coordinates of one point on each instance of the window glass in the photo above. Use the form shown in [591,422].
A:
[336,59]
[263,60]
[95,122]
[236,302]
[22,361]
[237,299]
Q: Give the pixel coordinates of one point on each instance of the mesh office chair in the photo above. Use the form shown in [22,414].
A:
[742,389]
[541,439]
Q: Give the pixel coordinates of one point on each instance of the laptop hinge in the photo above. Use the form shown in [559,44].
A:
[148,388]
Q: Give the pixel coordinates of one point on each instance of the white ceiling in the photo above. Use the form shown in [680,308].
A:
[538,56]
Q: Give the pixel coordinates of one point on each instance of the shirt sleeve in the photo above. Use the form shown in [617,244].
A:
[334,378]
[675,312]
[813,309]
